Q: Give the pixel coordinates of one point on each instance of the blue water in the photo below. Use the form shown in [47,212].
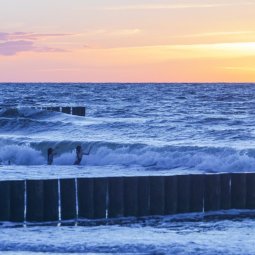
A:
[130,129]
[161,126]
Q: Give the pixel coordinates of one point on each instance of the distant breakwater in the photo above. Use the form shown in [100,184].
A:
[75,110]
[78,110]
[113,197]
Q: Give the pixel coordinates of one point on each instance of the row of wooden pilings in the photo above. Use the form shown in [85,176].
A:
[110,197]
[77,110]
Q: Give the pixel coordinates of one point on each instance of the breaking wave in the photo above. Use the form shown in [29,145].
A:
[102,154]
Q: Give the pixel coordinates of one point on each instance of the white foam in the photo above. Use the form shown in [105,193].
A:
[20,155]
[102,154]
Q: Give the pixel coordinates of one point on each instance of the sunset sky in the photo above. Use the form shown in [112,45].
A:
[127,41]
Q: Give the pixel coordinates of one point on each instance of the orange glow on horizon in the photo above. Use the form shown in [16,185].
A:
[178,63]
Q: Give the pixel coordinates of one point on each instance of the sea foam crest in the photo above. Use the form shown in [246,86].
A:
[171,157]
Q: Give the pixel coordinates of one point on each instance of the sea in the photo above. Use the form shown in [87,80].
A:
[130,129]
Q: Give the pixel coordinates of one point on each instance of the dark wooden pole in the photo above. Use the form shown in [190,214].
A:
[55,109]
[212,192]
[225,194]
[143,196]
[238,190]
[196,193]
[250,194]
[68,199]
[100,197]
[51,212]
[4,201]
[157,195]
[183,193]
[66,110]
[86,198]
[116,197]
[130,196]
[171,196]
[35,200]
[79,111]
[17,203]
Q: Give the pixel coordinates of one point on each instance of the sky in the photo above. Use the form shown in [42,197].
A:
[127,41]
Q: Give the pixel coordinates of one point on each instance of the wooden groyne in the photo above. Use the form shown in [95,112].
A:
[111,197]
[78,110]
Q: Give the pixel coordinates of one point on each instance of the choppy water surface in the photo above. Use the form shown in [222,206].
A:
[130,129]
[166,235]
[161,126]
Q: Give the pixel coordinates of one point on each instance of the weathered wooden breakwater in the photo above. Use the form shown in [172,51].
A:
[111,197]
[77,110]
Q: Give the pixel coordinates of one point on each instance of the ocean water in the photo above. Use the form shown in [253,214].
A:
[129,129]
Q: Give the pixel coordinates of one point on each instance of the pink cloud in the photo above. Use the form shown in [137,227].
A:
[13,43]
[10,48]
[27,36]
[34,36]
[3,36]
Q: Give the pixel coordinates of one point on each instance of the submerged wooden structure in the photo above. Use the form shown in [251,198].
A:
[75,110]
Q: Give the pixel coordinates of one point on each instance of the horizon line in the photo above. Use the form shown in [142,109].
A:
[119,82]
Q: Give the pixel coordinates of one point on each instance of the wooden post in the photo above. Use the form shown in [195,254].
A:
[143,196]
[50,188]
[171,195]
[17,203]
[86,198]
[79,111]
[55,109]
[157,195]
[130,196]
[66,110]
[183,193]
[82,111]
[225,194]
[116,197]
[4,201]
[238,190]
[68,199]
[250,195]
[196,193]
[35,200]
[212,192]
[100,197]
